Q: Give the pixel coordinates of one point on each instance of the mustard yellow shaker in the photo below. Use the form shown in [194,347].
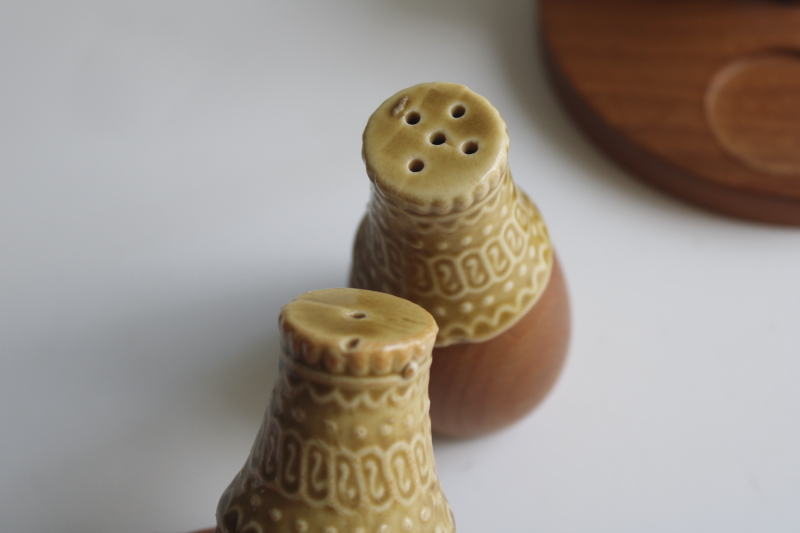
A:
[345,446]
[447,228]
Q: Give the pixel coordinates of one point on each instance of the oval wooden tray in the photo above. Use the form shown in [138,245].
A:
[700,98]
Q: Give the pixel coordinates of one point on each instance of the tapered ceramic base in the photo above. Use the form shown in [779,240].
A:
[481,387]
[699,98]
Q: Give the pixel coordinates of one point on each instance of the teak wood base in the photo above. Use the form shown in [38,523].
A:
[700,98]
[478,388]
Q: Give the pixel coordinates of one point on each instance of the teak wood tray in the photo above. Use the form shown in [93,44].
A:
[700,98]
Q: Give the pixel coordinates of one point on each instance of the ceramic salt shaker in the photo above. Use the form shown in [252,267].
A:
[345,446]
[447,228]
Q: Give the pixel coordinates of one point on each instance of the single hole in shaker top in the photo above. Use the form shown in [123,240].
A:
[458,111]
[358,314]
[437,138]
[416,165]
[412,117]
[469,147]
[353,343]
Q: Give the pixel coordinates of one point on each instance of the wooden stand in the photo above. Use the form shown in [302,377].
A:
[481,387]
[700,98]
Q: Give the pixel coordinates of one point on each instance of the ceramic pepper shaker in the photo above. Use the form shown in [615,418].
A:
[447,228]
[345,446]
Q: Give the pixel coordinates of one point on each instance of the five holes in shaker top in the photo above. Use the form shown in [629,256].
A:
[412,117]
[437,139]
[416,165]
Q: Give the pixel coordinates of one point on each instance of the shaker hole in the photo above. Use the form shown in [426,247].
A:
[438,138]
[457,111]
[469,147]
[416,165]
[353,343]
[358,315]
[412,117]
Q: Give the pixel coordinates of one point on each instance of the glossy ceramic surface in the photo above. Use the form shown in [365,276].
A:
[345,445]
[446,226]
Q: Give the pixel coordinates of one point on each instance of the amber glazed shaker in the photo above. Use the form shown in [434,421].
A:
[345,446]
[448,229]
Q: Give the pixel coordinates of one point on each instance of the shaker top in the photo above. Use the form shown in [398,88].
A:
[435,148]
[357,332]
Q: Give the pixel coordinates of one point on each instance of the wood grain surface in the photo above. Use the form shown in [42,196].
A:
[700,98]
[481,387]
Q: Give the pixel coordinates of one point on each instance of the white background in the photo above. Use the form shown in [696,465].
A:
[172,173]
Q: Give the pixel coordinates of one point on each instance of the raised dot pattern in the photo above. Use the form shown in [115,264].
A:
[360,460]
[496,265]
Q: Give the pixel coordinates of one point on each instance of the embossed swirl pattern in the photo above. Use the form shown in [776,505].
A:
[357,454]
[322,475]
[477,271]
